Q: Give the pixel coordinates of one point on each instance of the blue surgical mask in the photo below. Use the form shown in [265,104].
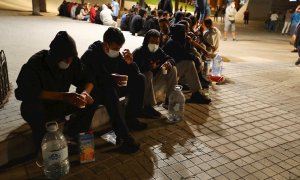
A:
[63,65]
[153,47]
[112,53]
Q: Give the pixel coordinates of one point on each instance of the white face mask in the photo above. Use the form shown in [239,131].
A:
[112,53]
[153,47]
[63,65]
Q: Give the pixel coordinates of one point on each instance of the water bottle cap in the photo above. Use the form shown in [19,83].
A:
[52,126]
[178,87]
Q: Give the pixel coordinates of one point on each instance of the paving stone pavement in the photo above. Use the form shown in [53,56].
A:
[249,131]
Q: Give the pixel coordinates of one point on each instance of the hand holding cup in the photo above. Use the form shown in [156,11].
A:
[121,80]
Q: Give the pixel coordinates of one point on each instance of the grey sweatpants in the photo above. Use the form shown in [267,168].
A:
[187,74]
[158,85]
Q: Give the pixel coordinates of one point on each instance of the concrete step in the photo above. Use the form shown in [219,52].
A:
[19,145]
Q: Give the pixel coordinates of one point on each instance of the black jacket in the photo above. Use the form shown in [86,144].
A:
[151,23]
[177,46]
[136,24]
[101,66]
[42,73]
[142,56]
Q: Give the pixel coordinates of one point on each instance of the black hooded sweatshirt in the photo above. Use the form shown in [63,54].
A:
[41,72]
[101,66]
[142,56]
[177,46]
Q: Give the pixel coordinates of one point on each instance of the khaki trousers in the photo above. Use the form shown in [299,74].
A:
[187,74]
[159,85]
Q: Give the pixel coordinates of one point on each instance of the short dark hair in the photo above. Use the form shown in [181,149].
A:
[165,13]
[164,20]
[142,12]
[184,22]
[160,13]
[193,20]
[188,14]
[153,13]
[187,19]
[208,23]
[114,35]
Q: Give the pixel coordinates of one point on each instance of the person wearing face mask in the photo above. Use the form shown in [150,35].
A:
[43,87]
[103,59]
[179,47]
[159,70]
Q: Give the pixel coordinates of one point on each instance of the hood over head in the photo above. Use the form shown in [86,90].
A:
[178,33]
[63,46]
[149,34]
[178,16]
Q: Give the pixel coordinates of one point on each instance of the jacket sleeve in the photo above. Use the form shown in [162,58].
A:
[29,85]
[96,69]
[140,61]
[165,57]
[81,75]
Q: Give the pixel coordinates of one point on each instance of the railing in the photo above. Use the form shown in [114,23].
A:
[4,82]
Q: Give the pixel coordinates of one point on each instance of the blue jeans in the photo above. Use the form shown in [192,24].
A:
[272,26]
[203,9]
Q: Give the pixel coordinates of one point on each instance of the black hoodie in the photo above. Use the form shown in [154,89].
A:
[177,47]
[41,72]
[101,66]
[142,56]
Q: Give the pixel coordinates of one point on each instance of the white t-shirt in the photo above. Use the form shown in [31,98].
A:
[274,17]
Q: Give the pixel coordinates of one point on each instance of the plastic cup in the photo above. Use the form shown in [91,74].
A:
[120,79]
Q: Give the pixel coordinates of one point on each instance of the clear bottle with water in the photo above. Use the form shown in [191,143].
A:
[176,105]
[216,66]
[55,152]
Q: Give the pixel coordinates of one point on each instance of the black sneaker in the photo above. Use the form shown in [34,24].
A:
[204,82]
[39,160]
[199,98]
[137,126]
[297,62]
[294,50]
[185,87]
[150,112]
[127,145]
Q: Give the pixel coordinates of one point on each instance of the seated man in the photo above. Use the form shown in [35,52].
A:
[164,26]
[137,23]
[153,61]
[212,35]
[106,16]
[151,22]
[43,85]
[103,59]
[179,48]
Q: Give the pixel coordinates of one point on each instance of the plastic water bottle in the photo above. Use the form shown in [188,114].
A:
[55,152]
[176,105]
[216,66]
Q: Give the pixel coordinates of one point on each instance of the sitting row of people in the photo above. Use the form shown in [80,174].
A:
[44,81]
[106,14]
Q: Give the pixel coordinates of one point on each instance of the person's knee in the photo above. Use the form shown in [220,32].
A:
[173,71]
[148,75]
